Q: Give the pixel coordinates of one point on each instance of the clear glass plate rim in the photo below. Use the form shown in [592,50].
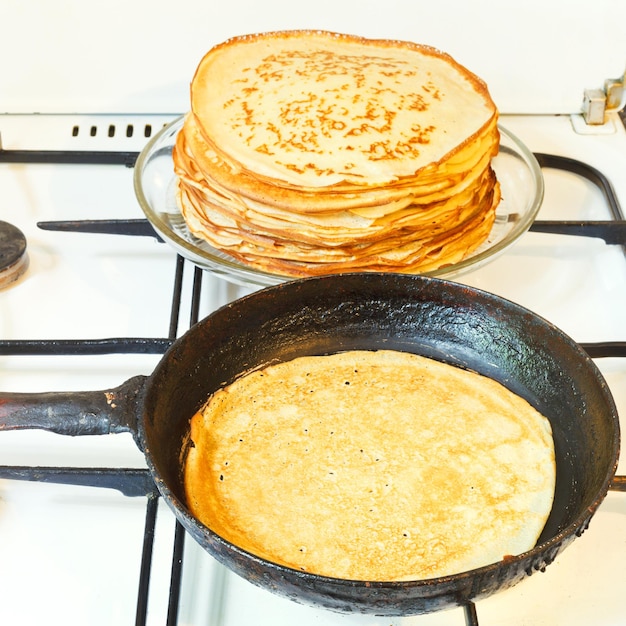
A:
[233,268]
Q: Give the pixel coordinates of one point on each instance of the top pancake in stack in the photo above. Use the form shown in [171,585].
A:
[309,152]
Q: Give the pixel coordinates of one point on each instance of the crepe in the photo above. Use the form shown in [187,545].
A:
[302,148]
[379,466]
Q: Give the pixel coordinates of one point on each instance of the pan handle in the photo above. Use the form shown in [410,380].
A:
[74,412]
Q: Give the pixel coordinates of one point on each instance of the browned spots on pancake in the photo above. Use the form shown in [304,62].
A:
[308,153]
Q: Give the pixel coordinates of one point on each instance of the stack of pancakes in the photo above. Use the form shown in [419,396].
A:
[307,153]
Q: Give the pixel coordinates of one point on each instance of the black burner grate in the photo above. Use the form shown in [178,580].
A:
[130,482]
[139,483]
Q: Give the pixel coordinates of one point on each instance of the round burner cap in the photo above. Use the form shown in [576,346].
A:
[13,257]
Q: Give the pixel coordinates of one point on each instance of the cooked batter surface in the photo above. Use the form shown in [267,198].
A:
[372,465]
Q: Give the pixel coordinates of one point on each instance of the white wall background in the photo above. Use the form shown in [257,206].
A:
[91,56]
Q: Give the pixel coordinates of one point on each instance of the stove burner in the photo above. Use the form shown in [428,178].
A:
[13,257]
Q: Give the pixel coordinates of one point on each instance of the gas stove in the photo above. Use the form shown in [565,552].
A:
[84,537]
[93,309]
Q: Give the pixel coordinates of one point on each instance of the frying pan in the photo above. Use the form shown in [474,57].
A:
[456,324]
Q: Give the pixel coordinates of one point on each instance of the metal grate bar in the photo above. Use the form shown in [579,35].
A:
[176,297]
[586,171]
[132,227]
[605,349]
[129,482]
[612,231]
[195,295]
[176,575]
[69,157]
[471,617]
[179,536]
[141,614]
[65,347]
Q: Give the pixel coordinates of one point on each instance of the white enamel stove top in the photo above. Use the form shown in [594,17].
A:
[71,555]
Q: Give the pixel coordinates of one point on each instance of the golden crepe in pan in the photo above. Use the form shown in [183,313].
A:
[371,465]
[303,148]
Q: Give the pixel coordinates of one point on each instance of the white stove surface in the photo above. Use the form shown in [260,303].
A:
[70,555]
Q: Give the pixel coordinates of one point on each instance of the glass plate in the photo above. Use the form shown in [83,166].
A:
[517,170]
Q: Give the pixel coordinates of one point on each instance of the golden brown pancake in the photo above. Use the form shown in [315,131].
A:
[376,465]
[302,148]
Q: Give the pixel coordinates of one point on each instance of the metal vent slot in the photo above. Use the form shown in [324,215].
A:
[112,130]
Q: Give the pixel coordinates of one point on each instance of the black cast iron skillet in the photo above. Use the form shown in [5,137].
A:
[436,318]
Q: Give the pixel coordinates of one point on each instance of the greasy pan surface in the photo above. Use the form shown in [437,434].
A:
[435,318]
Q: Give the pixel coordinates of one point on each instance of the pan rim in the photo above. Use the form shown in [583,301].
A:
[548,549]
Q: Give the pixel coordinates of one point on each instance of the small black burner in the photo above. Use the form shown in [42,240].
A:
[13,257]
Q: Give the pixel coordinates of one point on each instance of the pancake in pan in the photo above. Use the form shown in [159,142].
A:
[378,466]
